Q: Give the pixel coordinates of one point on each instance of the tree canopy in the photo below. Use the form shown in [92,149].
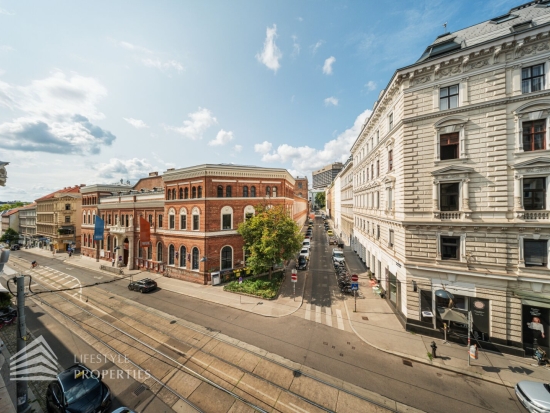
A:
[10,236]
[270,236]
[320,199]
[17,204]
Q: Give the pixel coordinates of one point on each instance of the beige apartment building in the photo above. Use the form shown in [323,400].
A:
[451,178]
[27,224]
[58,219]
[343,203]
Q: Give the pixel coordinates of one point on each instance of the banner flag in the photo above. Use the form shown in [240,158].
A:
[98,229]
[144,232]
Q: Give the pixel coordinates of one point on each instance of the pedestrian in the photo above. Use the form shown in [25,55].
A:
[113,262]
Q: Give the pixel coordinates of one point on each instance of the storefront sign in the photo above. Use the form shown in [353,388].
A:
[480,318]
[535,327]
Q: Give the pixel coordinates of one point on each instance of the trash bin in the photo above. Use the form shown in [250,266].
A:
[216,278]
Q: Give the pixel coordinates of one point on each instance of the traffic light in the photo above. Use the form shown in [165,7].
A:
[4,258]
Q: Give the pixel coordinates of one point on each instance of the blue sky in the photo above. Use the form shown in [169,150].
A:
[95,92]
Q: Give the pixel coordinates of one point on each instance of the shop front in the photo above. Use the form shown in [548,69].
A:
[535,331]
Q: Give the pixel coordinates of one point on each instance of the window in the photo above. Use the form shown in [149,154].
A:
[390,160]
[140,250]
[534,193]
[160,220]
[169,195]
[174,193]
[195,259]
[377,199]
[159,252]
[183,221]
[228,191]
[267,191]
[535,253]
[195,222]
[68,219]
[448,146]
[448,97]
[450,248]
[186,193]
[193,192]
[274,191]
[245,191]
[248,215]
[390,238]
[377,168]
[67,207]
[390,121]
[172,222]
[109,219]
[299,185]
[227,258]
[150,219]
[449,196]
[377,231]
[109,244]
[220,191]
[534,135]
[149,253]
[183,256]
[200,191]
[181,193]
[171,253]
[226,221]
[253,191]
[532,78]
[371,172]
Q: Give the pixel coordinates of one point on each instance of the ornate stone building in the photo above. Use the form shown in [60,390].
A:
[451,183]
[343,203]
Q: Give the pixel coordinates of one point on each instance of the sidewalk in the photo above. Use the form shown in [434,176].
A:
[376,324]
[284,305]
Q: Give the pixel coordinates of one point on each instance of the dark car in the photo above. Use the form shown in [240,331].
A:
[78,390]
[15,247]
[143,286]
[301,264]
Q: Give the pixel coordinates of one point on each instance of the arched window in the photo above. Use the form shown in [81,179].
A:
[183,218]
[195,259]
[89,218]
[149,252]
[168,195]
[171,255]
[193,192]
[227,258]
[84,217]
[159,251]
[174,193]
[84,240]
[227,218]
[200,192]
[127,221]
[172,219]
[267,191]
[249,212]
[186,193]
[228,191]
[183,257]
[245,191]
[181,193]
[196,219]
[140,251]
[108,243]
[253,191]
[220,191]
[274,191]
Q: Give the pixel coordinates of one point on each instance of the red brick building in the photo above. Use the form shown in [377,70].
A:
[193,212]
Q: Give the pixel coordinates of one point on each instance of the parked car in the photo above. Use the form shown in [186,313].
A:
[15,247]
[301,263]
[333,241]
[534,396]
[330,233]
[306,243]
[78,390]
[337,255]
[305,252]
[143,286]
[8,313]
[123,410]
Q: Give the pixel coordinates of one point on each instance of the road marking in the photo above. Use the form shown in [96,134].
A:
[68,282]
[329,316]
[308,311]
[317,314]
[339,319]
[98,278]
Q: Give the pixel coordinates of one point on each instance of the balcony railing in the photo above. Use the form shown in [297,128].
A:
[534,215]
[448,215]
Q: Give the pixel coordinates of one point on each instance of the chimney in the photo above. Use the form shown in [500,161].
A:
[153,174]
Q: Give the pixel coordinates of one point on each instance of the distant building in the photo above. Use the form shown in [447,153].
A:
[301,186]
[10,219]
[27,224]
[324,176]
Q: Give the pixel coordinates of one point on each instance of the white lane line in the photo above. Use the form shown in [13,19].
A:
[329,316]
[317,314]
[308,312]
[339,319]
[68,282]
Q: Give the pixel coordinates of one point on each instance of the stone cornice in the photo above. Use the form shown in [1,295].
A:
[236,171]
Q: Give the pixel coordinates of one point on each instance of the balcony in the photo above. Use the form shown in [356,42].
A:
[452,215]
[533,215]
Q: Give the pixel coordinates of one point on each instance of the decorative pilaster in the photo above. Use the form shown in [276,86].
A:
[466,195]
[435,195]
[518,204]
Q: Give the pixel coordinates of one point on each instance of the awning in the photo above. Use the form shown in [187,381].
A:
[449,314]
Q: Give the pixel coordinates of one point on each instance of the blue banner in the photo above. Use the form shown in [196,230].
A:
[98,230]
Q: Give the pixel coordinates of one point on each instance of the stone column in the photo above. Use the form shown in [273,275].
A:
[435,195]
[131,258]
[521,256]
[465,195]
[518,204]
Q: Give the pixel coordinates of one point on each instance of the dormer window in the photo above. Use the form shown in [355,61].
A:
[504,18]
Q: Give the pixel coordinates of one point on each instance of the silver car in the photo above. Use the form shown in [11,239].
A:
[534,396]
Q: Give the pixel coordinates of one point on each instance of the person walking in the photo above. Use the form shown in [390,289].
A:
[113,262]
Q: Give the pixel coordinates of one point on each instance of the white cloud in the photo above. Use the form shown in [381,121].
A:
[134,47]
[166,65]
[327,67]
[370,85]
[222,138]
[54,115]
[316,46]
[136,123]
[295,47]
[238,148]
[124,169]
[306,159]
[331,101]
[150,58]
[263,147]
[270,54]
[199,121]
[6,12]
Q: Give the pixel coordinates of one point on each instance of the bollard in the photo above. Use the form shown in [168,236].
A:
[434,349]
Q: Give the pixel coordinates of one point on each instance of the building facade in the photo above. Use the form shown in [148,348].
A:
[10,219]
[451,184]
[27,224]
[301,187]
[193,214]
[344,203]
[323,177]
[58,219]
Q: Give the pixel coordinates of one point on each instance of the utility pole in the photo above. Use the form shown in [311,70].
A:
[22,398]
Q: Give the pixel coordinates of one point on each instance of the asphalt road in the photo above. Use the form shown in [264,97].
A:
[338,353]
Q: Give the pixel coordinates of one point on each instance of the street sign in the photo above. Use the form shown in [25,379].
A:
[354,286]
[294,277]
[354,278]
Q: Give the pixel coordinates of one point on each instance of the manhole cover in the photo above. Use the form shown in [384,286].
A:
[407,363]
[139,390]
[365,318]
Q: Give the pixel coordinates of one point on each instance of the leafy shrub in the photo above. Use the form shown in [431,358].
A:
[261,287]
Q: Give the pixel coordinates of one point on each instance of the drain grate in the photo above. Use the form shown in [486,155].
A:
[139,390]
[365,318]
[407,363]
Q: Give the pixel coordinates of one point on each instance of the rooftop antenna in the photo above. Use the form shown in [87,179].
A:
[445,27]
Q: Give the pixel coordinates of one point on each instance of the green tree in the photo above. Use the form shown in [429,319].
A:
[269,237]
[6,207]
[320,199]
[10,236]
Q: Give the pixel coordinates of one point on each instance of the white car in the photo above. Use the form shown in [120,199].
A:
[337,255]
[306,243]
[305,252]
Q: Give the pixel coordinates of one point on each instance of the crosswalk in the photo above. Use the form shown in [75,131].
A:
[324,315]
[57,280]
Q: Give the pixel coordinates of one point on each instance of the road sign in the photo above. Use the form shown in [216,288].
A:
[240,280]
[354,286]
[294,277]
[354,278]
